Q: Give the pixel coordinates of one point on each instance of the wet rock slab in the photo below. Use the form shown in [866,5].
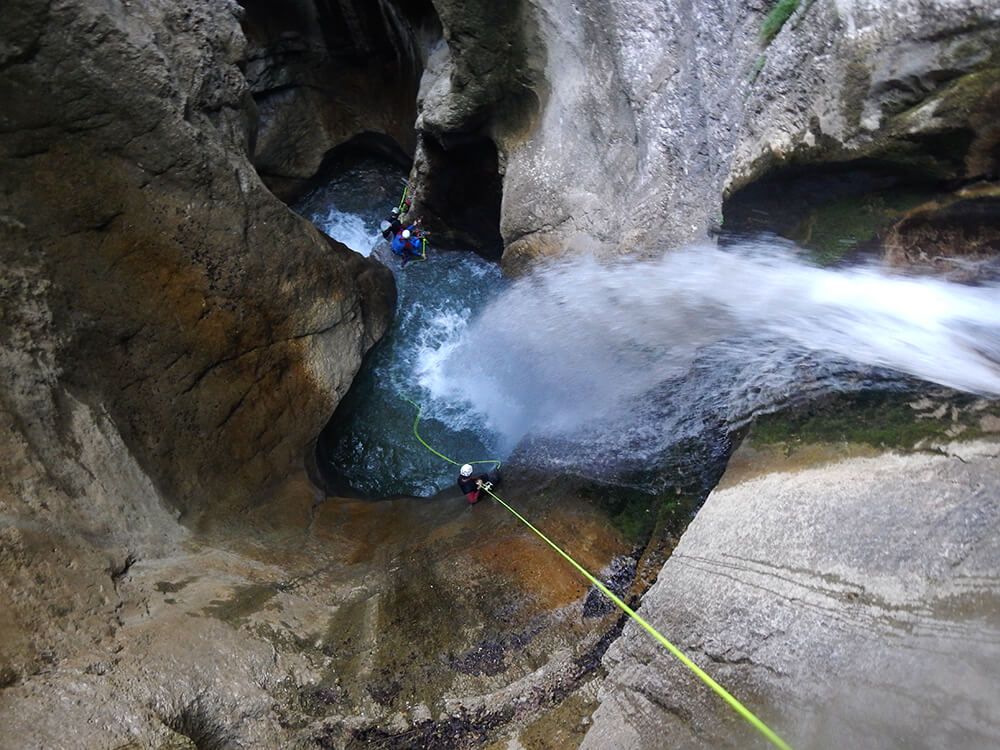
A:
[846,594]
[415,622]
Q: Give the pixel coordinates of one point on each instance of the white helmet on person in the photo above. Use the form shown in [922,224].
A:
[406,234]
[466,470]
[384,225]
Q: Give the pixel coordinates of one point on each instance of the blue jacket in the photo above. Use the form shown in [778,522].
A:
[400,245]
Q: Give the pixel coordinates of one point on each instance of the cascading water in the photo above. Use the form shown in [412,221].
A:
[369,448]
[350,206]
[605,366]
[600,368]
[371,445]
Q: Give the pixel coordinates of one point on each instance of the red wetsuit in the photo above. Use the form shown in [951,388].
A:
[469,487]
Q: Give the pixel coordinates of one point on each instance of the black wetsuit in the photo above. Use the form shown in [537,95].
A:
[395,227]
[469,488]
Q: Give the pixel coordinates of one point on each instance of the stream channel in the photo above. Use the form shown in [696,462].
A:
[602,370]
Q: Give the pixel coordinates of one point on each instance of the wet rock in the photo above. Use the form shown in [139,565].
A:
[625,126]
[898,128]
[618,577]
[849,603]
[958,236]
[487,658]
[323,74]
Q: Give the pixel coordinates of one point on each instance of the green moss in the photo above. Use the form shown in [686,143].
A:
[758,66]
[635,513]
[839,226]
[883,420]
[964,95]
[635,519]
[780,13]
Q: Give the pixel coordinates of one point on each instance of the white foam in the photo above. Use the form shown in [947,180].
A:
[350,229]
[578,343]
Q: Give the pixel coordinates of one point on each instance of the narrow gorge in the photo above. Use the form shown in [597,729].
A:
[717,282]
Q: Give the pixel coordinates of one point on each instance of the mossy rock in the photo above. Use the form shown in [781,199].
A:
[831,231]
[883,420]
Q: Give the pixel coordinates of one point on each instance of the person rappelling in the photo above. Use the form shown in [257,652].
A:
[410,243]
[473,485]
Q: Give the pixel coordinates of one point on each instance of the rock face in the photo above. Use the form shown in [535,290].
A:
[627,124]
[350,624]
[851,604]
[172,337]
[149,272]
[323,73]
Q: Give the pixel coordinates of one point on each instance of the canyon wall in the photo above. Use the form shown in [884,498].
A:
[628,124]
[172,337]
[325,74]
[153,274]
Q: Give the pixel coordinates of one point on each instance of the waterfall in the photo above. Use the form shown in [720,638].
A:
[581,345]
[603,367]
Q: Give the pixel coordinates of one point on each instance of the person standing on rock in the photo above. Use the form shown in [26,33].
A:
[473,486]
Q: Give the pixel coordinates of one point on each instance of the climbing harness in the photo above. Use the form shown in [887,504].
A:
[742,710]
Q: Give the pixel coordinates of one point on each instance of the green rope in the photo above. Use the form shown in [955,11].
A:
[402,200]
[416,434]
[742,710]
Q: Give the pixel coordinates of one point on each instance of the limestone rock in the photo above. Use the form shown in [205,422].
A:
[945,235]
[915,85]
[149,272]
[322,74]
[628,123]
[849,605]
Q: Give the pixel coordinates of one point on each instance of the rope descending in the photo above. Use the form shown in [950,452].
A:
[730,700]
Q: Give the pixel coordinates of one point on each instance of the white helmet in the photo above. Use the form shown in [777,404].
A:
[466,470]
[406,234]
[384,225]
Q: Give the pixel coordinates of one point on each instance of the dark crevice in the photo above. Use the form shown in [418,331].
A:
[23,58]
[341,158]
[119,571]
[836,210]
[321,72]
[462,194]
